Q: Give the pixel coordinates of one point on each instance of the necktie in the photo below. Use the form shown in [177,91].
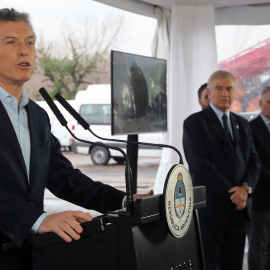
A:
[225,125]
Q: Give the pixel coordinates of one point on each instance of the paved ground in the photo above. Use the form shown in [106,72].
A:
[112,174]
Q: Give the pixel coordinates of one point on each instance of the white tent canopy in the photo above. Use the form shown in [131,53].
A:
[186,38]
[246,12]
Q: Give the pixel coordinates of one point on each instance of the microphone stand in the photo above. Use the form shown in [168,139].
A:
[128,173]
[86,126]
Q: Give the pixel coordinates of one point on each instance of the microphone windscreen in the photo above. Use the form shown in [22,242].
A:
[53,107]
[69,108]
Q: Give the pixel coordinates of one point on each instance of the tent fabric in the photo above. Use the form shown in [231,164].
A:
[161,49]
[193,57]
[245,15]
[132,6]
[238,15]
[161,42]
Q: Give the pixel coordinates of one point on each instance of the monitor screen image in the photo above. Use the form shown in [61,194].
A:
[139,94]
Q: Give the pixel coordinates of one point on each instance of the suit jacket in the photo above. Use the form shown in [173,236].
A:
[261,138]
[218,163]
[20,203]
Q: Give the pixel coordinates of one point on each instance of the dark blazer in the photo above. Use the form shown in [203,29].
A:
[261,138]
[20,203]
[218,163]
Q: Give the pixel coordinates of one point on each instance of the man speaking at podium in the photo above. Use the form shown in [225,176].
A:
[221,156]
[30,156]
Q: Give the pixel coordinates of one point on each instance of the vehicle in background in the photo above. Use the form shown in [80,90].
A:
[57,129]
[249,115]
[94,105]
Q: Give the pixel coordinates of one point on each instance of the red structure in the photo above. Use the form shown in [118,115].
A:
[252,70]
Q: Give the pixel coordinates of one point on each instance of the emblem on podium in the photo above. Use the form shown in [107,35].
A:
[178,200]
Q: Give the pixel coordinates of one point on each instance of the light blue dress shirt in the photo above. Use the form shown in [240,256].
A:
[219,115]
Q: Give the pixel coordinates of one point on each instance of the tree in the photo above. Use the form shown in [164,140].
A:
[83,57]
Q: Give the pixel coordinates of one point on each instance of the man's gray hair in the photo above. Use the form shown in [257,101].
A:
[220,74]
[264,91]
[12,15]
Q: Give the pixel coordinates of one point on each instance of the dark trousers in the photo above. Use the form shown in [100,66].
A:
[259,242]
[224,243]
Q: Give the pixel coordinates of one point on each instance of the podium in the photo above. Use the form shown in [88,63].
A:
[117,242]
[162,232]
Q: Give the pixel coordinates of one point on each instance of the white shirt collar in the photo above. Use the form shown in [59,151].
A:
[219,113]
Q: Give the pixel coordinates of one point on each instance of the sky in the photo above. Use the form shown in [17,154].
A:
[49,16]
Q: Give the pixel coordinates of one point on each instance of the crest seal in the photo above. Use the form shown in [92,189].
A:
[179,198]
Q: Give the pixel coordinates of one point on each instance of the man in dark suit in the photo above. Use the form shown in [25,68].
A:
[30,156]
[259,240]
[221,156]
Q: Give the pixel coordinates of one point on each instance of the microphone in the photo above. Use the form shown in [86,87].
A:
[53,107]
[128,172]
[86,126]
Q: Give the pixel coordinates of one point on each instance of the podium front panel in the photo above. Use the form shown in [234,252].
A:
[153,247]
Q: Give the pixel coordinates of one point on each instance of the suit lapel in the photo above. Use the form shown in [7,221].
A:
[34,142]
[216,126]
[263,128]
[8,131]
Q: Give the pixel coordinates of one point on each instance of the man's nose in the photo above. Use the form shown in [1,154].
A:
[224,92]
[22,50]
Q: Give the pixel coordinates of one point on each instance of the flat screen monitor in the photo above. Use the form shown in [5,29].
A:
[139,94]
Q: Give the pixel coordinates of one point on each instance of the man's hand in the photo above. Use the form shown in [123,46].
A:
[65,224]
[137,196]
[239,197]
[241,206]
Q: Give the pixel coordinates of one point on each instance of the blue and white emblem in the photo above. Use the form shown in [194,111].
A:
[179,198]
